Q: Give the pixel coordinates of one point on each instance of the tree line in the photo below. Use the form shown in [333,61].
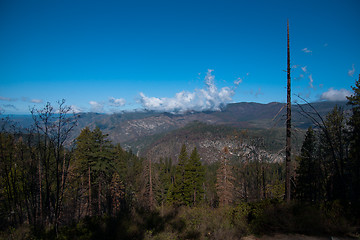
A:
[49,181]
[329,162]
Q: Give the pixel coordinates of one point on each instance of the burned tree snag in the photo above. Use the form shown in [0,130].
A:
[288,123]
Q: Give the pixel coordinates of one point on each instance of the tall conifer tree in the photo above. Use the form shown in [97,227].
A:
[309,176]
[178,189]
[354,101]
[194,179]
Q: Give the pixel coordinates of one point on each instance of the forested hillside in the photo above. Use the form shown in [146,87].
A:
[201,181]
[143,130]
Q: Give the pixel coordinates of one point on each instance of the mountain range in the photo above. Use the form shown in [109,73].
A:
[160,134]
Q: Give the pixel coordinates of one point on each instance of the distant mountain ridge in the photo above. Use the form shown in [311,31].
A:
[142,130]
[129,126]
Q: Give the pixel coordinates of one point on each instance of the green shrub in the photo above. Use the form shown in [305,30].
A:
[208,223]
[232,222]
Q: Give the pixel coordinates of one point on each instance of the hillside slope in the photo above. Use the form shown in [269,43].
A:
[151,133]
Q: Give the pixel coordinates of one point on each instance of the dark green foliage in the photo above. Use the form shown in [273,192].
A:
[194,179]
[309,174]
[333,153]
[129,168]
[101,151]
[188,186]
[93,161]
[166,174]
[177,193]
[270,217]
[210,195]
[325,169]
[354,123]
[329,169]
[84,145]
[93,150]
[104,175]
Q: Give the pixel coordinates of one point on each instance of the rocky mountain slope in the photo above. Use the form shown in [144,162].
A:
[244,145]
[130,126]
[155,134]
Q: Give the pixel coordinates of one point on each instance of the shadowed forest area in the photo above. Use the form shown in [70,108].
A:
[89,188]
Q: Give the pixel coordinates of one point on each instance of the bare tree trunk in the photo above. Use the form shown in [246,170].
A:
[194,197]
[263,182]
[78,200]
[162,208]
[288,124]
[60,193]
[99,198]
[40,191]
[90,213]
[63,174]
[151,196]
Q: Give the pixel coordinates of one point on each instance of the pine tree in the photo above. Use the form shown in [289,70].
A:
[333,153]
[225,178]
[93,155]
[309,176]
[85,160]
[178,195]
[146,196]
[117,189]
[194,179]
[354,123]
[165,170]
[102,166]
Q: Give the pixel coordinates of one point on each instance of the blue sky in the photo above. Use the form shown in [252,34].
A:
[109,56]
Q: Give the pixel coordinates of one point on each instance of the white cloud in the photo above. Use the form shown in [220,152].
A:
[5,99]
[209,98]
[306,50]
[238,81]
[335,95]
[352,71]
[76,109]
[26,99]
[304,68]
[116,102]
[311,81]
[96,107]
[36,101]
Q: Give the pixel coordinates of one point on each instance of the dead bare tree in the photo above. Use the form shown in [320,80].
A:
[288,124]
[53,127]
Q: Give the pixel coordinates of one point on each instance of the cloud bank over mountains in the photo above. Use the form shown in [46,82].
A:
[208,98]
[102,107]
[335,95]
